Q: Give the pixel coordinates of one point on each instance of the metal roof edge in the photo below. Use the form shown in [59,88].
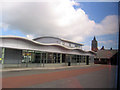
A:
[38,42]
[58,38]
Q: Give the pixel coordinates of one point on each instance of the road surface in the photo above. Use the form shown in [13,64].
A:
[103,76]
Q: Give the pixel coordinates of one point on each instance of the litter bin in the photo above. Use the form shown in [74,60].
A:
[87,61]
[69,64]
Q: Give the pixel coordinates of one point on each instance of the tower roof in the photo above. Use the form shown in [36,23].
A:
[94,38]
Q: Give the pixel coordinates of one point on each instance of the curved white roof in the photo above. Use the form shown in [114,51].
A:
[18,43]
[59,39]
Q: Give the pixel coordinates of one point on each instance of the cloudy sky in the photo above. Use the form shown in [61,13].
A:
[76,21]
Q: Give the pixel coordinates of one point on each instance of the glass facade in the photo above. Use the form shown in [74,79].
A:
[39,58]
[47,57]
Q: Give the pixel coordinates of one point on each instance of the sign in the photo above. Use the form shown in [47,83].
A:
[28,54]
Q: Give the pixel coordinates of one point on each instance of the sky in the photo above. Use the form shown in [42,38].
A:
[75,21]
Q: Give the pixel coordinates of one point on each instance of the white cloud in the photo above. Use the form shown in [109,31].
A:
[86,48]
[4,26]
[57,18]
[109,25]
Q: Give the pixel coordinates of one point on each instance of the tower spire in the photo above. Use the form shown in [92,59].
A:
[94,38]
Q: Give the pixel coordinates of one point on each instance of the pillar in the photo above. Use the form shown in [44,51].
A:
[60,57]
[53,59]
[79,59]
[56,57]
[46,57]
[26,59]
[40,58]
[3,53]
[65,58]
[76,59]
[43,58]
[70,60]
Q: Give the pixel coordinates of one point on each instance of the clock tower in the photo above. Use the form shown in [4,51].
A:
[94,45]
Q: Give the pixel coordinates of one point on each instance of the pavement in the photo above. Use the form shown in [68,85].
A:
[44,68]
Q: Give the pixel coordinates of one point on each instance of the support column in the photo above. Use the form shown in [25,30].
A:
[40,58]
[85,59]
[46,57]
[3,53]
[53,58]
[76,59]
[73,59]
[56,57]
[65,58]
[60,57]
[18,63]
[26,58]
[43,57]
[79,59]
[70,59]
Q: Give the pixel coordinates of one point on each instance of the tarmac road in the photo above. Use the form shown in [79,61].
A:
[103,76]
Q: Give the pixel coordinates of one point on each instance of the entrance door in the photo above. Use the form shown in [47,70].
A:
[37,58]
